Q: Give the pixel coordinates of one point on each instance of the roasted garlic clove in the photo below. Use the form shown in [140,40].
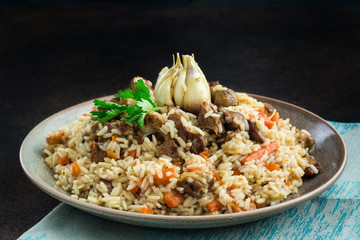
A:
[163,88]
[198,90]
[183,86]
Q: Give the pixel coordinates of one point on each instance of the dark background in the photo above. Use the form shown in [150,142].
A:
[55,55]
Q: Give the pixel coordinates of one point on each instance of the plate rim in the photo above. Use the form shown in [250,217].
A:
[269,210]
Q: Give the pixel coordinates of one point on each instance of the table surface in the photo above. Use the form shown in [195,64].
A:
[53,56]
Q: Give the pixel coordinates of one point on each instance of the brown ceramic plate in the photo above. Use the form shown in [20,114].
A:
[330,152]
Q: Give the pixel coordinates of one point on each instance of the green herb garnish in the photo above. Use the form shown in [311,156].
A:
[135,113]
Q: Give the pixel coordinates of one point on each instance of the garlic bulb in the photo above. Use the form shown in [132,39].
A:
[183,86]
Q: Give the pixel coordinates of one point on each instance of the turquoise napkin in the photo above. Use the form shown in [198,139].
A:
[335,214]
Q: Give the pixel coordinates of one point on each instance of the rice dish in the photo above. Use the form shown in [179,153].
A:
[221,158]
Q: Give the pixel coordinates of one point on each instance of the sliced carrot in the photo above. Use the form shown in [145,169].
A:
[214,206]
[275,117]
[111,154]
[228,190]
[177,163]
[271,147]
[94,108]
[146,211]
[272,166]
[55,139]
[134,190]
[167,175]
[267,121]
[206,152]
[288,183]
[113,138]
[235,208]
[203,156]
[217,177]
[132,153]
[252,206]
[195,169]
[174,198]
[64,161]
[75,169]
[237,172]
[260,205]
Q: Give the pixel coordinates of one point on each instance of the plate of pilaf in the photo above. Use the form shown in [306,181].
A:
[188,153]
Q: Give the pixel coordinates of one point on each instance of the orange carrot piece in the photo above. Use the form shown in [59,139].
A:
[275,117]
[132,153]
[252,206]
[267,121]
[174,198]
[165,178]
[146,211]
[260,205]
[64,161]
[272,146]
[214,206]
[111,154]
[113,138]
[206,152]
[235,208]
[177,163]
[237,172]
[134,190]
[203,156]
[272,166]
[55,139]
[217,177]
[195,169]
[75,169]
[288,183]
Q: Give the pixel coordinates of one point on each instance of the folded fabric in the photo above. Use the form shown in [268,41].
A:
[332,215]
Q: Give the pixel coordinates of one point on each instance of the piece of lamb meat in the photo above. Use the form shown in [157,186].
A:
[309,172]
[211,122]
[224,97]
[168,148]
[233,120]
[255,133]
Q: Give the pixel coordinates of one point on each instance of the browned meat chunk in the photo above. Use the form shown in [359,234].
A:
[233,120]
[213,83]
[154,120]
[268,109]
[230,136]
[96,154]
[168,148]
[224,97]
[196,183]
[124,128]
[305,140]
[211,122]
[147,83]
[183,132]
[199,143]
[255,133]
[309,172]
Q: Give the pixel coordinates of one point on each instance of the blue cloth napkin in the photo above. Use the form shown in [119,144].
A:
[335,214]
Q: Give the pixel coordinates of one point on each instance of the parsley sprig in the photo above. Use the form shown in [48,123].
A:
[135,113]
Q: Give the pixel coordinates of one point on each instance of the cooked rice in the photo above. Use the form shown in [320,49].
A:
[256,185]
